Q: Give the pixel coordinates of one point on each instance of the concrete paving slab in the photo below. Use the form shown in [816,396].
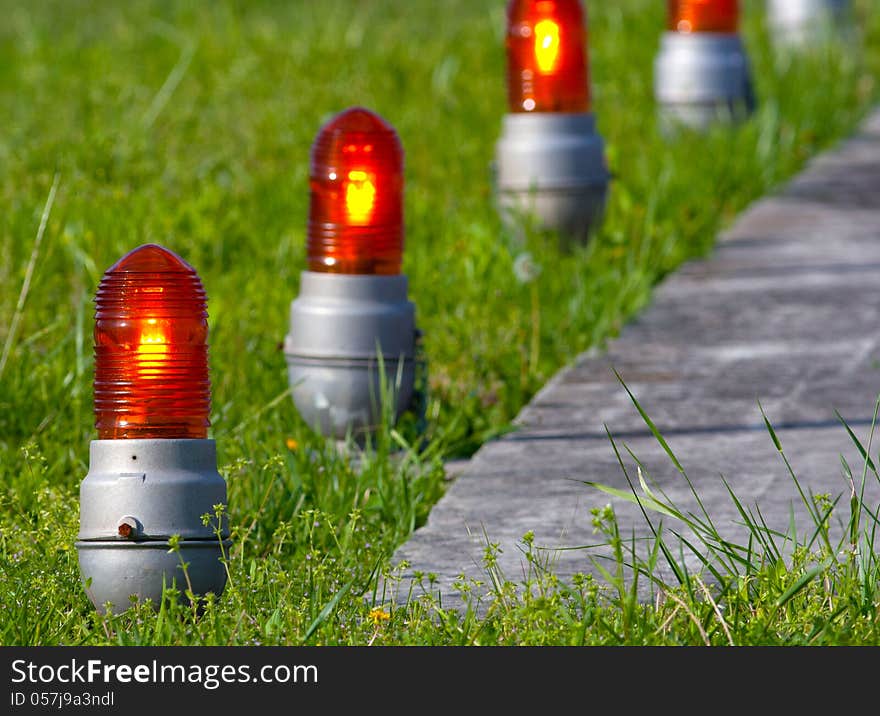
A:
[785,312]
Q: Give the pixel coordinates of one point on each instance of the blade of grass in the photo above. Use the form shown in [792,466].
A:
[28,274]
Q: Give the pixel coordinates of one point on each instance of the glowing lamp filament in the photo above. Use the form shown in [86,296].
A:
[547,45]
[360,195]
[151,353]
[703,16]
[547,66]
[153,338]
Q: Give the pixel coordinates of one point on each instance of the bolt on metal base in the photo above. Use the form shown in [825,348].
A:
[550,170]
[702,78]
[135,497]
[342,327]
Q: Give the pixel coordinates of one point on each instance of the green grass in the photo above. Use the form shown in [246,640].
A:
[189,124]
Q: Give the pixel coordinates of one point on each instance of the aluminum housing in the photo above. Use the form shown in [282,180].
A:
[136,495]
[701,78]
[550,168]
[805,22]
[340,325]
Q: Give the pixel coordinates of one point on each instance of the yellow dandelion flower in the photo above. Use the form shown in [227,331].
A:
[378,616]
[292,444]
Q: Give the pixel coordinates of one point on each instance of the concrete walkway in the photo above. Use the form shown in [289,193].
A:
[786,311]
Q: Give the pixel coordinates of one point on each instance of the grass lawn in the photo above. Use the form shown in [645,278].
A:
[189,124]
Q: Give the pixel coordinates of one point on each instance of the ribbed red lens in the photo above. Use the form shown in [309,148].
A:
[151,352]
[356,211]
[703,15]
[547,66]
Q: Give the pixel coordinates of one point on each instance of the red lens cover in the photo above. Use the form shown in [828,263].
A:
[356,206]
[703,15]
[547,64]
[151,352]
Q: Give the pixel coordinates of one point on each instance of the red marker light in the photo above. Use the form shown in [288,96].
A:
[356,210]
[703,15]
[151,353]
[547,67]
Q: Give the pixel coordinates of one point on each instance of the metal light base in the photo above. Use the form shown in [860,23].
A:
[550,168]
[806,23]
[701,78]
[136,495]
[340,324]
